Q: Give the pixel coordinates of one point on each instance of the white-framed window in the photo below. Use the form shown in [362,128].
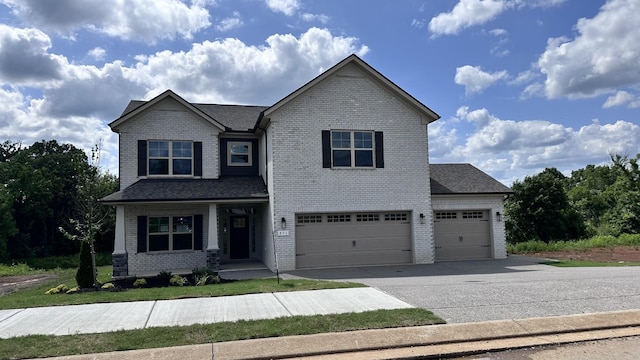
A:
[350,149]
[170,157]
[170,233]
[239,153]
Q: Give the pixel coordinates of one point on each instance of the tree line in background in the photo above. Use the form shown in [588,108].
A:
[595,200]
[48,199]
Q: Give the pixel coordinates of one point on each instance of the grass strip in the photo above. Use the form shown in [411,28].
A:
[48,346]
[574,245]
[587,263]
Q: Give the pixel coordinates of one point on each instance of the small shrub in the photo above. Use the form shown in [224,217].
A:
[52,291]
[73,290]
[62,288]
[108,286]
[177,280]
[204,276]
[84,275]
[164,275]
[140,283]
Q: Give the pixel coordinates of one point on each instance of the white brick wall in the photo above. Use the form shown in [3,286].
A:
[298,182]
[154,262]
[493,203]
[168,120]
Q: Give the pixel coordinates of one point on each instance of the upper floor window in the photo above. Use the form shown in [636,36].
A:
[239,153]
[170,157]
[352,148]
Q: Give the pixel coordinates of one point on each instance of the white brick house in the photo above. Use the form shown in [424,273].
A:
[335,174]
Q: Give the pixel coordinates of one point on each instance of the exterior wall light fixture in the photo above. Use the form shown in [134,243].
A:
[498,216]
[283,222]
[422,218]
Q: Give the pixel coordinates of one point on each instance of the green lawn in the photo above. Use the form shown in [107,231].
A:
[35,297]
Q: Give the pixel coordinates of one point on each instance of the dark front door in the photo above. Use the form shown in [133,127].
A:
[239,237]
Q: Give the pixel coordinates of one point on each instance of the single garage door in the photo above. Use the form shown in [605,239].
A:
[352,239]
[462,235]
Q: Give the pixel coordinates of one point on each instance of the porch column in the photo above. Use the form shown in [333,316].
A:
[119,256]
[213,249]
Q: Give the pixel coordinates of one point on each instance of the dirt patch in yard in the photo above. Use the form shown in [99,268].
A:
[9,284]
[612,254]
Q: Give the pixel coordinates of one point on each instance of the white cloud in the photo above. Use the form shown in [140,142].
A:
[140,20]
[619,99]
[512,149]
[97,53]
[418,23]
[604,55]
[498,32]
[475,80]
[229,71]
[230,23]
[287,7]
[24,59]
[322,18]
[466,13]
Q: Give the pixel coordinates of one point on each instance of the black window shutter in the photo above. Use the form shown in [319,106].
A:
[142,234]
[142,158]
[197,232]
[379,150]
[326,149]
[197,158]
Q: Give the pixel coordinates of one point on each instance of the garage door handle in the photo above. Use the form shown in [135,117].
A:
[353,243]
[460,238]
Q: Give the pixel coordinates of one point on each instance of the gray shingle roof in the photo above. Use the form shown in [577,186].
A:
[234,117]
[463,179]
[224,188]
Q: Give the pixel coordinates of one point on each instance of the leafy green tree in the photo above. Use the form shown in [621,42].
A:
[539,209]
[7,224]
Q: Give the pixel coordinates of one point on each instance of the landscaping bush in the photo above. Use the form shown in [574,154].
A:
[84,275]
[140,283]
[601,241]
[177,280]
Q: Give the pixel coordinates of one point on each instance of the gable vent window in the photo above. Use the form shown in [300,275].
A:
[308,219]
[440,215]
[367,217]
[472,214]
[339,218]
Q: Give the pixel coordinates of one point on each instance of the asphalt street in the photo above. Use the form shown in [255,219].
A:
[514,288]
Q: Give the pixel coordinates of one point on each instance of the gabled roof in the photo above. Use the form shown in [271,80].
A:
[234,117]
[463,179]
[429,115]
[136,107]
[234,188]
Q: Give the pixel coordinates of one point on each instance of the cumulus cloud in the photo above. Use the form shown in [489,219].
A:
[466,13]
[512,149]
[97,53]
[24,59]
[475,80]
[230,71]
[230,23]
[140,20]
[287,7]
[619,99]
[604,55]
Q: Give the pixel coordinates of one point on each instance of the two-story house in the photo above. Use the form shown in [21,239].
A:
[336,173]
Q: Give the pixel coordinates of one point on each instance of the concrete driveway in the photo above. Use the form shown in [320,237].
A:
[514,288]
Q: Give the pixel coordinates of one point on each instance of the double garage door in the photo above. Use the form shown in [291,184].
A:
[461,235]
[353,239]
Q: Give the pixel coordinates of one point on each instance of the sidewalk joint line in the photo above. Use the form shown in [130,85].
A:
[150,312]
[281,303]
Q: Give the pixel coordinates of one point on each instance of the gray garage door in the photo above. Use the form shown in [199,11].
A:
[352,239]
[462,235]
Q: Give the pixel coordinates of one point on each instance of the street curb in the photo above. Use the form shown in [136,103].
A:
[411,337]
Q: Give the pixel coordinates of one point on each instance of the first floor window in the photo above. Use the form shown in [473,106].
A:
[168,233]
[170,157]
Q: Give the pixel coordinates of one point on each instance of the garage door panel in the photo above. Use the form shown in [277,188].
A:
[352,243]
[462,235]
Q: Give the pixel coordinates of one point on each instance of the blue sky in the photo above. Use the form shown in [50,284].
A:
[520,85]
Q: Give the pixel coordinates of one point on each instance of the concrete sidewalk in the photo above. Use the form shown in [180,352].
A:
[412,342]
[107,317]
